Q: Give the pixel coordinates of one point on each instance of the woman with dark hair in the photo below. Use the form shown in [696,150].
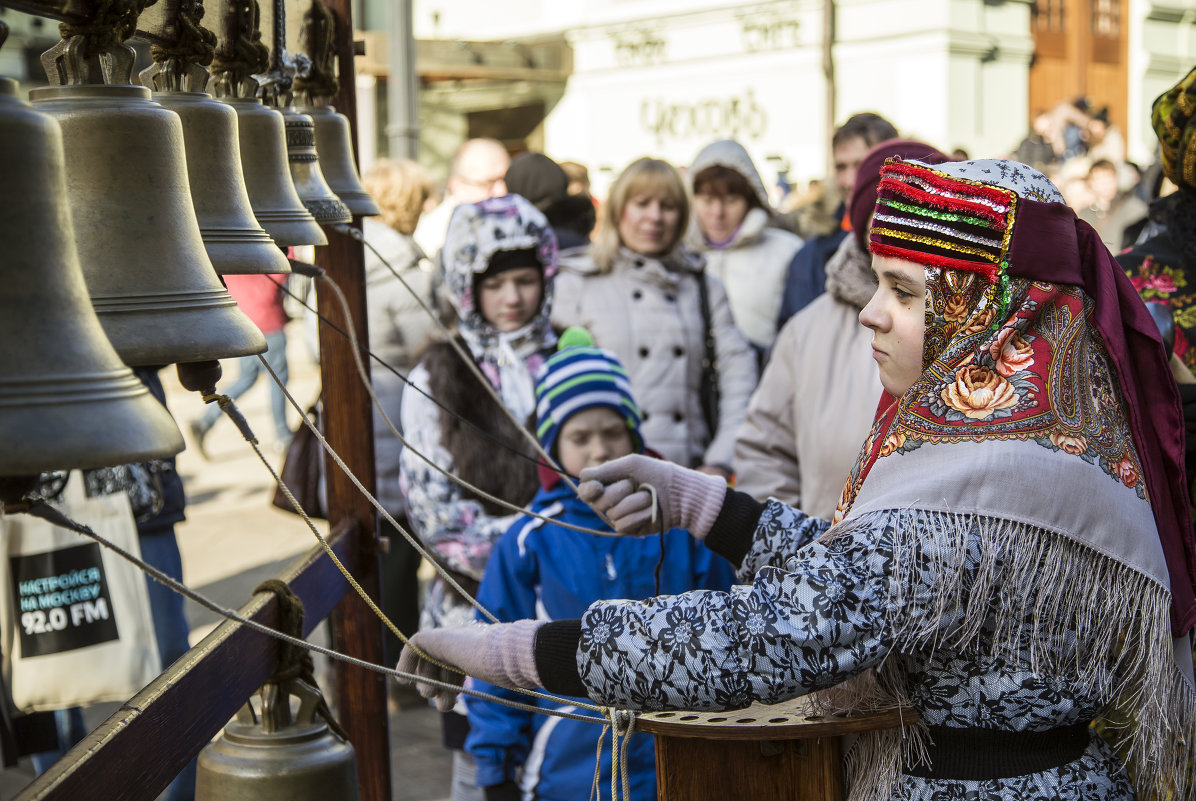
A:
[731,228]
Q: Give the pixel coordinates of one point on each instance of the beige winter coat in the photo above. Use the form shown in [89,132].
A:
[647,311]
[812,411]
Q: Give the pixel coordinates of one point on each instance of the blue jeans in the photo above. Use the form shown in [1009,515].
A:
[170,630]
[250,368]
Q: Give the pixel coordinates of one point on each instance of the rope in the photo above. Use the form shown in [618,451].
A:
[294,662]
[242,54]
[407,535]
[364,375]
[317,38]
[408,384]
[39,508]
[110,23]
[356,234]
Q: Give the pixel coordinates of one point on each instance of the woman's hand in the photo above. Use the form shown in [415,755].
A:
[502,654]
[684,498]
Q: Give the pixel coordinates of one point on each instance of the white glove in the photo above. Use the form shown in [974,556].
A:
[500,654]
[687,499]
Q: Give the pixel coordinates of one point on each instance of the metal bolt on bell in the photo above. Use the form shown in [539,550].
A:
[285,754]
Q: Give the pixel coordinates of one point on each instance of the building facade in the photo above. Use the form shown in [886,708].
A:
[665,77]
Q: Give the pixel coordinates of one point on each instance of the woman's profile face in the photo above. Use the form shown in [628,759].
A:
[896,314]
[648,224]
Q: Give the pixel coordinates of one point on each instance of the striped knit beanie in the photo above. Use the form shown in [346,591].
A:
[959,215]
[577,377]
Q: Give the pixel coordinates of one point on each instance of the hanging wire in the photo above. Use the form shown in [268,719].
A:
[363,374]
[466,357]
[315,272]
[40,508]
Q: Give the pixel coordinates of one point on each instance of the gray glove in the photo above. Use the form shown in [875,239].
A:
[687,499]
[500,654]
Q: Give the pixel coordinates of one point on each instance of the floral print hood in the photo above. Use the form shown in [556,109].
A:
[476,232]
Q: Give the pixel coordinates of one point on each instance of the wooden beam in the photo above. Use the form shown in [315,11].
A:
[74,11]
[356,630]
[139,750]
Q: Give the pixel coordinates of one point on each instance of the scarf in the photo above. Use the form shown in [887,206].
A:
[476,232]
[1045,422]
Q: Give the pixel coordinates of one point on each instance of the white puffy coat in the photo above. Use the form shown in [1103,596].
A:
[647,311]
[754,264]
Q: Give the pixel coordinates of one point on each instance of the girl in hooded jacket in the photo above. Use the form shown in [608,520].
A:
[731,228]
[499,260]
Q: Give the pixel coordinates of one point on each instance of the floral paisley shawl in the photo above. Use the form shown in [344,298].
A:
[1017,435]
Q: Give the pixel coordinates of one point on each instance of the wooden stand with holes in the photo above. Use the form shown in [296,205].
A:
[786,752]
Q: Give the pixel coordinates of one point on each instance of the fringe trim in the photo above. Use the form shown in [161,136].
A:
[1062,606]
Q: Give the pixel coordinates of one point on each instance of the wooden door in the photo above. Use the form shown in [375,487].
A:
[1080,50]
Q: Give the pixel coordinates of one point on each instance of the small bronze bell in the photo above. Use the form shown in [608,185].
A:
[278,757]
[272,193]
[234,240]
[313,190]
[66,399]
[150,279]
[336,160]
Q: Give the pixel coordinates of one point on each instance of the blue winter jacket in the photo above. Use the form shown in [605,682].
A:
[538,570]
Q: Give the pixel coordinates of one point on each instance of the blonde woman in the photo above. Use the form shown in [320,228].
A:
[638,291]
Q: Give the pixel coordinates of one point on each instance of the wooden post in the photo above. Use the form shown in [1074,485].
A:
[356,630]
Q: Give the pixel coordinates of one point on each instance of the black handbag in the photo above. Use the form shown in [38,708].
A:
[303,470]
[708,392]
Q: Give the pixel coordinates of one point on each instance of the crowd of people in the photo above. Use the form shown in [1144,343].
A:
[870,411]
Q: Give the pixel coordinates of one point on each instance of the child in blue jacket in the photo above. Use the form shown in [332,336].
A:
[586,416]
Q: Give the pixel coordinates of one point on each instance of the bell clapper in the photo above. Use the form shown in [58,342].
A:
[201,377]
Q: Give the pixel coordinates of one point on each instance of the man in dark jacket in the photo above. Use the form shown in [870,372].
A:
[807,272]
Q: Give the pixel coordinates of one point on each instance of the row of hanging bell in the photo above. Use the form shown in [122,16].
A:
[332,141]
[233,236]
[66,398]
[147,270]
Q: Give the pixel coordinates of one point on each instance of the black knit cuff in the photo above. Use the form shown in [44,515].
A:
[734,529]
[555,649]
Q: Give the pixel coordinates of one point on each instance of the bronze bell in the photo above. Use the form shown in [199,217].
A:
[284,755]
[272,194]
[234,240]
[319,199]
[334,145]
[143,257]
[66,399]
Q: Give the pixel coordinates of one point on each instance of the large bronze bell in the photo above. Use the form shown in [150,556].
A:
[313,190]
[334,146]
[272,194]
[281,756]
[66,400]
[150,279]
[232,236]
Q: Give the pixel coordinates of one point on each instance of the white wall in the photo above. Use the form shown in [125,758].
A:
[665,77]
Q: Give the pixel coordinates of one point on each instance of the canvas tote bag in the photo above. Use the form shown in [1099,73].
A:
[76,627]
